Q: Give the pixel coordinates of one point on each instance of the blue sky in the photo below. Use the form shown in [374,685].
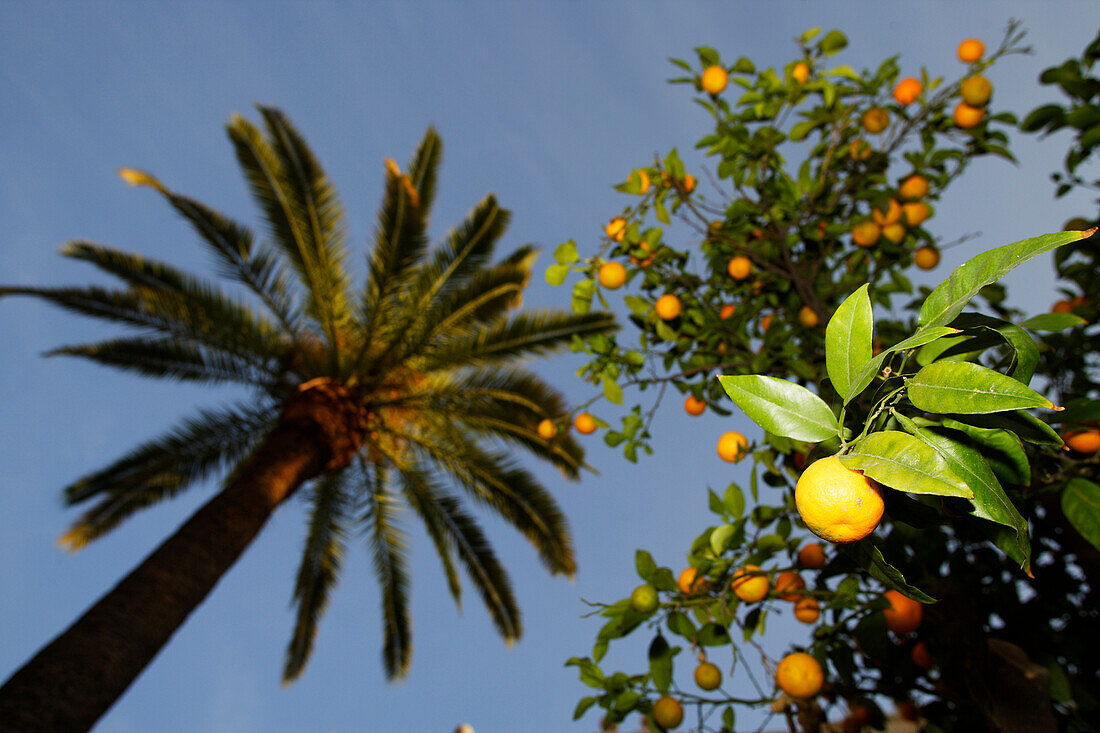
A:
[546,104]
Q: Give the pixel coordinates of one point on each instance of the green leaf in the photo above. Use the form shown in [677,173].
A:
[949,298]
[734,501]
[833,42]
[660,663]
[905,463]
[582,296]
[966,388]
[680,624]
[612,391]
[1027,353]
[1053,322]
[644,564]
[1023,424]
[556,274]
[582,706]
[868,371]
[1002,450]
[713,634]
[848,340]
[566,253]
[637,305]
[1081,505]
[870,558]
[782,407]
[719,538]
[1078,411]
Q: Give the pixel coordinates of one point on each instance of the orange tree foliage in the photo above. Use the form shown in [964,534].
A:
[811,220]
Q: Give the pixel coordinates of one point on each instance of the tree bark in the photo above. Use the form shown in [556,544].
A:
[70,683]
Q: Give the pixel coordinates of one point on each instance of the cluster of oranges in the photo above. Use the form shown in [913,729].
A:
[975,90]
[893,219]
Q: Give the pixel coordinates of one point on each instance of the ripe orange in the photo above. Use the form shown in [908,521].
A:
[865,233]
[689,583]
[668,712]
[548,429]
[714,80]
[731,446]
[789,584]
[727,310]
[891,215]
[921,656]
[693,406]
[811,555]
[667,307]
[904,614]
[739,267]
[643,178]
[926,257]
[875,120]
[647,261]
[836,503]
[766,321]
[615,228]
[689,183]
[799,675]
[708,676]
[971,51]
[915,212]
[644,599]
[612,275]
[914,187]
[808,317]
[1084,441]
[1062,306]
[967,116]
[748,585]
[894,232]
[907,91]
[976,91]
[800,72]
[584,423]
[807,610]
[859,150]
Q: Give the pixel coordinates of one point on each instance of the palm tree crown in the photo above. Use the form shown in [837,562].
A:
[419,369]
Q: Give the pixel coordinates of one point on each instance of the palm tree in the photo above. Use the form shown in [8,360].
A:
[402,390]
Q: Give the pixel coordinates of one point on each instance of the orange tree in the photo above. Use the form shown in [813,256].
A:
[826,180]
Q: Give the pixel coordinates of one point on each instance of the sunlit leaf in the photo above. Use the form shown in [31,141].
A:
[848,340]
[782,407]
[868,371]
[905,463]
[967,388]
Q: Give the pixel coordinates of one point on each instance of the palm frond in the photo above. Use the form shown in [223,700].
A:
[163,467]
[458,529]
[174,358]
[421,495]
[388,551]
[319,569]
[423,168]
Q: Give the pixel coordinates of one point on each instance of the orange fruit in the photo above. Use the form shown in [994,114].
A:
[647,261]
[891,215]
[727,310]
[808,317]
[921,656]
[693,406]
[866,233]
[766,321]
[667,307]
[811,556]
[966,116]
[612,275]
[894,232]
[714,79]
[1062,306]
[859,150]
[807,610]
[668,712]
[914,187]
[800,72]
[689,583]
[907,91]
[926,257]
[643,179]
[836,503]
[971,51]
[976,91]
[731,446]
[739,267]
[875,120]
[789,584]
[708,676]
[748,585]
[644,599]
[799,675]
[584,423]
[547,429]
[1084,441]
[904,614]
[915,212]
[615,228]
[689,183]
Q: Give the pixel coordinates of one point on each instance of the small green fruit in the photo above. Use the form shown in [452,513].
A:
[644,599]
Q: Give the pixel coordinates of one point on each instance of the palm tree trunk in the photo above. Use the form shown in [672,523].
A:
[73,680]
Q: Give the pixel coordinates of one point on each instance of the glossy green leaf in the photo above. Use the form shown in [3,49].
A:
[951,296]
[1022,424]
[870,558]
[681,625]
[1081,505]
[720,537]
[782,407]
[1002,450]
[868,371]
[1026,351]
[644,564]
[848,340]
[660,663]
[566,253]
[582,706]
[1053,322]
[612,391]
[966,388]
[905,463]
[556,274]
[734,501]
